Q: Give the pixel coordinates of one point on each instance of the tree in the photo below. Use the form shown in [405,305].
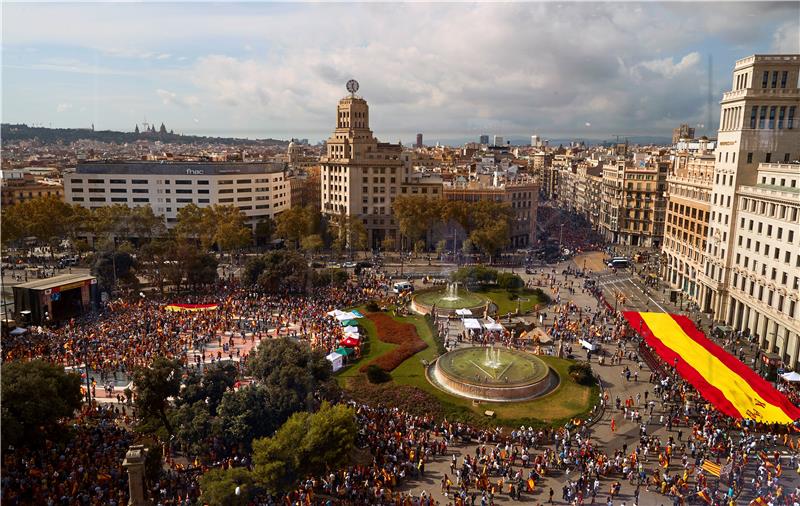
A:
[111,267]
[509,281]
[230,232]
[293,224]
[209,386]
[249,413]
[265,228]
[491,238]
[278,271]
[311,243]
[291,367]
[306,445]
[154,385]
[441,246]
[35,397]
[223,487]
[192,223]
[388,243]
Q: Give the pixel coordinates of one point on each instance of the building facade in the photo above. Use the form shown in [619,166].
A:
[765,271]
[257,189]
[22,186]
[633,206]
[521,195]
[686,227]
[361,176]
[758,124]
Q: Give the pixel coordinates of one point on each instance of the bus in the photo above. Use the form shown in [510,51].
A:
[619,262]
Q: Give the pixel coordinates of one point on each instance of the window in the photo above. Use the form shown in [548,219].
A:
[784,76]
[140,190]
[96,190]
[772,117]
[762,117]
[140,199]
[774,79]
[183,190]
[202,181]
[225,181]
[77,199]
[203,201]
[753,115]
[76,180]
[77,190]
[786,158]
[183,181]
[139,181]
[95,181]
[97,199]
[750,155]
[790,120]
[781,114]
[203,191]
[244,190]
[226,190]
[119,190]
[229,199]
[244,181]
[119,199]
[765,79]
[768,157]
[116,181]
[183,201]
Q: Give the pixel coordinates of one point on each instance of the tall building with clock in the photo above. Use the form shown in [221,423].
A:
[758,134]
[361,176]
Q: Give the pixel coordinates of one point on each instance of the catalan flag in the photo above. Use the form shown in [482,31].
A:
[758,501]
[704,496]
[732,387]
[711,468]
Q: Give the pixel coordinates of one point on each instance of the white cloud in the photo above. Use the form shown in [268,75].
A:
[786,39]
[667,67]
[170,98]
[63,107]
[454,68]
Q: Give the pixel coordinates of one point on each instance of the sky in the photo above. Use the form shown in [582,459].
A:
[452,71]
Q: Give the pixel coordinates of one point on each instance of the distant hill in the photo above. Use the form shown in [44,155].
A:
[20,132]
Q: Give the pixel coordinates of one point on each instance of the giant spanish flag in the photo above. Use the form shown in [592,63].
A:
[732,387]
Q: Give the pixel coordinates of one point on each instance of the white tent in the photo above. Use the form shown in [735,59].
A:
[490,325]
[351,330]
[344,315]
[792,377]
[336,361]
[463,312]
[472,323]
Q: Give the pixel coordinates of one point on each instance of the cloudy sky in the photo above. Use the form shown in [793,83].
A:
[451,71]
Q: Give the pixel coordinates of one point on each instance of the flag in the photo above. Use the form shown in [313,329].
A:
[711,468]
[732,387]
[704,496]
[778,470]
[758,501]
[531,484]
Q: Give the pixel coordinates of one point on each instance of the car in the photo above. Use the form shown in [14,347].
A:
[349,265]
[333,265]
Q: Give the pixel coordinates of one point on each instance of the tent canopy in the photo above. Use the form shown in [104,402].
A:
[493,326]
[349,323]
[336,361]
[341,350]
[472,323]
[18,331]
[463,312]
[792,377]
[349,342]
[351,330]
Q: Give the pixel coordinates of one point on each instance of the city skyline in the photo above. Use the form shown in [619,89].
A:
[245,71]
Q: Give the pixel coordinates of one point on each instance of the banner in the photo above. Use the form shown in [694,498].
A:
[732,387]
[191,307]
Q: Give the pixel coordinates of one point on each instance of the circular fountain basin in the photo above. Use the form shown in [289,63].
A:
[492,374]
[447,302]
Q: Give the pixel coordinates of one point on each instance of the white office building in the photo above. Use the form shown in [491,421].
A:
[257,189]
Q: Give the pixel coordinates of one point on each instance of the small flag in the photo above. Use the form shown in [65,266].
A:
[704,496]
[531,484]
[711,468]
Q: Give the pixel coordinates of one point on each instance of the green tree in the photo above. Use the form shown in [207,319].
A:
[293,224]
[227,487]
[491,238]
[192,223]
[154,385]
[265,228]
[291,367]
[278,271]
[311,243]
[35,397]
[230,230]
[306,445]
[509,281]
[112,267]
[388,244]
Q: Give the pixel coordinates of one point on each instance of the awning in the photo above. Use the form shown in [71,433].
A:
[351,330]
[18,331]
[350,342]
[472,323]
[791,377]
[344,351]
[357,313]
[463,312]
[493,326]
[336,361]
[349,323]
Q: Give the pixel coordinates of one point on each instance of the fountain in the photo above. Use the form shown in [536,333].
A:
[447,300]
[492,357]
[452,292]
[492,374]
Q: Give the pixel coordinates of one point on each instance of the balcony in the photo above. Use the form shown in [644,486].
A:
[760,93]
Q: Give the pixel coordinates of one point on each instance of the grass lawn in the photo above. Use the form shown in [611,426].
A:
[505,304]
[372,348]
[567,401]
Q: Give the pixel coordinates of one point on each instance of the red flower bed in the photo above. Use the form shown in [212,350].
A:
[394,332]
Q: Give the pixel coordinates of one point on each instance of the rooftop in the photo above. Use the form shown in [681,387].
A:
[193,168]
[55,281]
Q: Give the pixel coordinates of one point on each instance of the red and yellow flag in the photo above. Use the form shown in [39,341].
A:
[191,307]
[723,380]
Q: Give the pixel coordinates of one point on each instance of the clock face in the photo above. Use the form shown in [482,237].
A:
[352,86]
